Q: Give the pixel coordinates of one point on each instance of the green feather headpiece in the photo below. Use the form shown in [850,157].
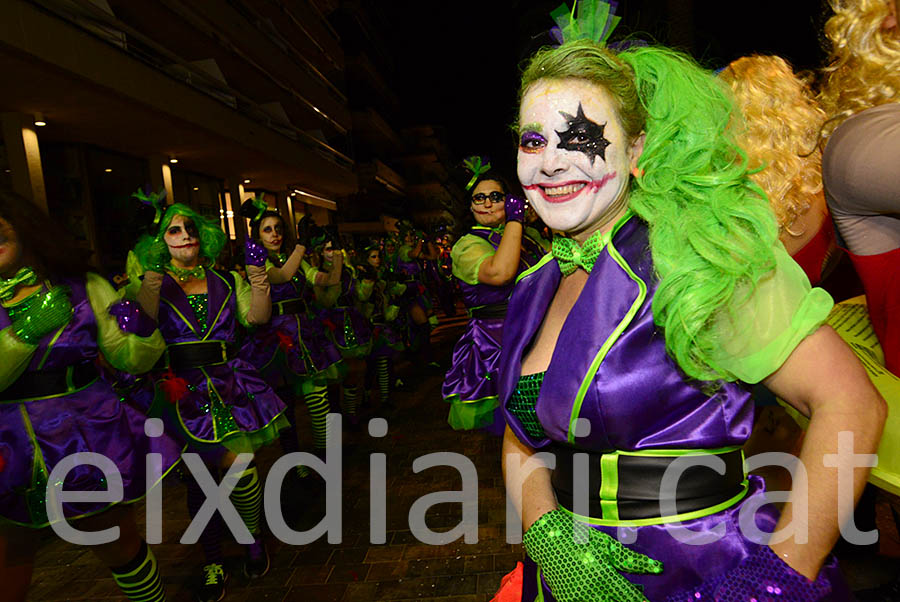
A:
[477,167]
[156,200]
[596,20]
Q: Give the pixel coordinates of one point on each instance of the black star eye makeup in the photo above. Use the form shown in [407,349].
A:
[583,135]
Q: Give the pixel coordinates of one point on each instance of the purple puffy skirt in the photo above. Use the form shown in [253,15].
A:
[93,419]
[470,385]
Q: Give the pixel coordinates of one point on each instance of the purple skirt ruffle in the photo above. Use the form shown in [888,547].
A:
[474,363]
[387,340]
[252,416]
[350,330]
[307,348]
[94,420]
[688,561]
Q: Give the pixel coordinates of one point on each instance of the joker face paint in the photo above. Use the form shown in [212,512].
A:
[183,241]
[374,258]
[271,233]
[574,156]
[489,213]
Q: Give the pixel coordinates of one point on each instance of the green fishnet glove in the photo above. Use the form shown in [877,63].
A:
[578,572]
[49,313]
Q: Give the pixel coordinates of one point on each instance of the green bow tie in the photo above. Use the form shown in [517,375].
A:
[24,277]
[570,255]
[185,274]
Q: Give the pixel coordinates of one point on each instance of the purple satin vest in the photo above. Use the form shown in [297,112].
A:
[78,341]
[177,322]
[638,398]
[475,295]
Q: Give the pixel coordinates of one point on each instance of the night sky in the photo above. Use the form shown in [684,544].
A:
[457,62]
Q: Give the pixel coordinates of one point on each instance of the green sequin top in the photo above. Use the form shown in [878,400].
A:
[199,303]
[522,402]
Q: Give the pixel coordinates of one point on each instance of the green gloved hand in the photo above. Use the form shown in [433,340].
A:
[585,568]
[156,257]
[51,311]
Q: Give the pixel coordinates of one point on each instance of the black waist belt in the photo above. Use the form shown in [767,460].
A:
[495,310]
[50,383]
[630,487]
[291,306]
[185,356]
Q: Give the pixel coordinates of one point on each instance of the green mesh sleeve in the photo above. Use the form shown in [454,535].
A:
[124,351]
[364,289]
[403,253]
[309,272]
[760,330]
[327,296]
[243,294]
[16,355]
[467,255]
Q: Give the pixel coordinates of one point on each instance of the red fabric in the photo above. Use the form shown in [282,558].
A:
[329,324]
[173,386]
[880,275]
[284,341]
[2,463]
[511,586]
[817,252]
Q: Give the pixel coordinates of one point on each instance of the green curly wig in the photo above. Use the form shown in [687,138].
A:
[212,239]
[712,234]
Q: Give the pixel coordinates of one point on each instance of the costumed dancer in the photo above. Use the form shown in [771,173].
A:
[486,261]
[382,311]
[339,308]
[860,93]
[666,288]
[57,320]
[781,129]
[292,352]
[417,308]
[218,402]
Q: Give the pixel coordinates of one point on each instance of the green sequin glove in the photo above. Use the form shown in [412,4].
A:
[585,568]
[156,257]
[50,312]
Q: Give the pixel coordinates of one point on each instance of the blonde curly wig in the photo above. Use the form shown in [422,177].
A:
[780,133]
[864,62]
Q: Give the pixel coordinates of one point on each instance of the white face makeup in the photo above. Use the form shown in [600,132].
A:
[183,241]
[327,252]
[374,258]
[10,251]
[490,213]
[271,233]
[574,156]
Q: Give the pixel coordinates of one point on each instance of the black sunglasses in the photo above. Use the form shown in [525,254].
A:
[496,197]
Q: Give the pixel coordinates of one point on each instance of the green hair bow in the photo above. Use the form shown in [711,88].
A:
[596,20]
[475,165]
[155,200]
[261,206]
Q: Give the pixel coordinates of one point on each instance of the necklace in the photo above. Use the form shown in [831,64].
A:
[185,274]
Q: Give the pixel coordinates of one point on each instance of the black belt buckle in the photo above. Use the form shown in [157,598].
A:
[639,490]
[50,383]
[291,306]
[495,310]
[187,356]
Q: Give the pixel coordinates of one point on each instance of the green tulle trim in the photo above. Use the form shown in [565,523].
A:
[249,442]
[470,415]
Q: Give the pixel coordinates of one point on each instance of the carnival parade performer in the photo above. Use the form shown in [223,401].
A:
[292,352]
[339,303]
[860,94]
[417,307]
[781,129]
[486,261]
[380,307]
[217,401]
[57,320]
[666,288]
